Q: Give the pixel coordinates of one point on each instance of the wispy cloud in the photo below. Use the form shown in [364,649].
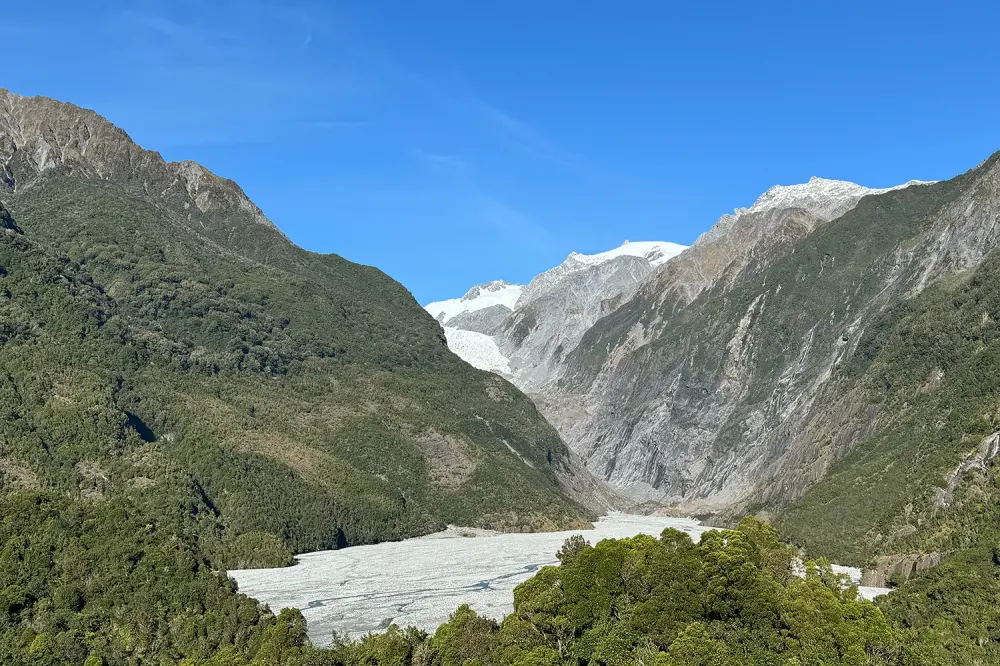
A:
[513,224]
[523,136]
[437,161]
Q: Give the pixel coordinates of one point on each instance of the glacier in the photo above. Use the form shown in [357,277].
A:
[477,349]
[480,297]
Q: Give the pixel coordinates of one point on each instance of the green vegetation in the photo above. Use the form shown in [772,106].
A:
[950,614]
[309,374]
[170,408]
[820,281]
[932,365]
[908,411]
[183,392]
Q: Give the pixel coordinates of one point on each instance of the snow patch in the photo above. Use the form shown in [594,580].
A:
[479,297]
[821,196]
[655,252]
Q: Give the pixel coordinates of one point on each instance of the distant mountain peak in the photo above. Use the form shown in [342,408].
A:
[827,198]
[655,252]
[493,287]
[480,297]
[522,331]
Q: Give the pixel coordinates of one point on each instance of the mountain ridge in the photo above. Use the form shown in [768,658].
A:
[725,329]
[201,277]
[694,392]
[490,332]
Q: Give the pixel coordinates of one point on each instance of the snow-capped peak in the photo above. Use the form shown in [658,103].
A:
[496,288]
[479,297]
[655,252]
[823,197]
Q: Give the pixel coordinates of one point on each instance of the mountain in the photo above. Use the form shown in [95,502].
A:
[470,320]
[657,442]
[763,369]
[829,359]
[524,332]
[182,390]
[481,309]
[748,371]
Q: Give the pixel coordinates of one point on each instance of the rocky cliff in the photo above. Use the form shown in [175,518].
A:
[525,332]
[718,384]
[41,138]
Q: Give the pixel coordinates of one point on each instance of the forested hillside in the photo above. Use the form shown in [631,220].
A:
[183,390]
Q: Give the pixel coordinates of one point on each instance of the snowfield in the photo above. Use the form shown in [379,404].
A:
[422,581]
[821,196]
[479,297]
[655,252]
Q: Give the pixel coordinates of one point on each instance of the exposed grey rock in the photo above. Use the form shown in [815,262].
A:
[979,459]
[536,326]
[713,388]
[489,320]
[41,137]
[899,568]
[557,308]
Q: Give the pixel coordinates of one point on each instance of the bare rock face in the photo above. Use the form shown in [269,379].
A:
[41,137]
[896,569]
[558,307]
[535,327]
[488,320]
[715,386]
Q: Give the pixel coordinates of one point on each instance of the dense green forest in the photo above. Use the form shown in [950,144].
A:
[932,365]
[171,408]
[308,373]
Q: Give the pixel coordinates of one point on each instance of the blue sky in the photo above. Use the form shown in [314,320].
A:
[450,143]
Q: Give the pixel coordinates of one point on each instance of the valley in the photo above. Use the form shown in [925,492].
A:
[186,395]
[420,582]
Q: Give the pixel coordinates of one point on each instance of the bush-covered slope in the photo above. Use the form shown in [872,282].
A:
[925,479]
[186,392]
[315,376]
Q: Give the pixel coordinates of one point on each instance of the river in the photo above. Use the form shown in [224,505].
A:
[421,581]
